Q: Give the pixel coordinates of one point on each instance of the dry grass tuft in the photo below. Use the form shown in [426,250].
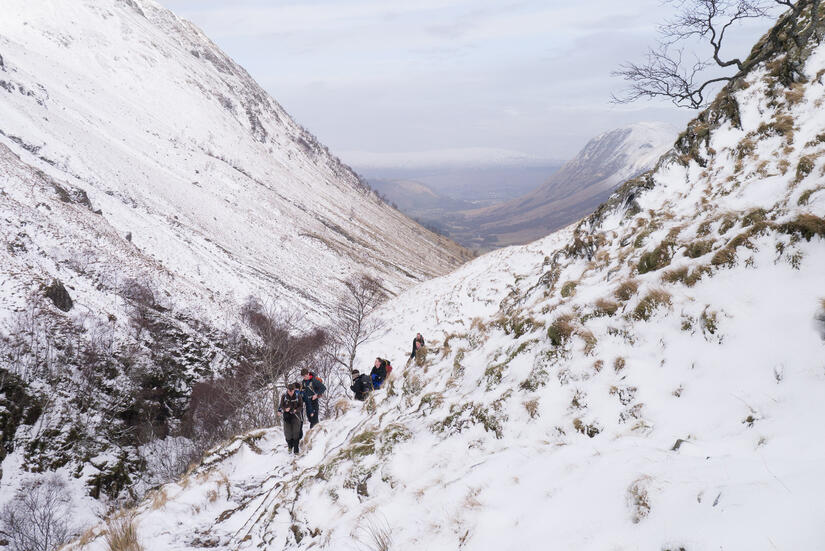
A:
[803,168]
[568,289]
[340,407]
[590,430]
[590,341]
[121,533]
[626,290]
[796,93]
[782,125]
[654,300]
[699,248]
[561,329]
[675,276]
[159,499]
[619,364]
[87,537]
[605,307]
[532,407]
[805,225]
[638,499]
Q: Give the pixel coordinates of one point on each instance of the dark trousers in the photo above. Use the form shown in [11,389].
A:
[293,430]
[312,412]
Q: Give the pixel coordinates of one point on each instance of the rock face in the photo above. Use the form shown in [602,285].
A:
[59,296]
[576,189]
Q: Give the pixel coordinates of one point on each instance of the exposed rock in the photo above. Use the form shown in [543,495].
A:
[59,296]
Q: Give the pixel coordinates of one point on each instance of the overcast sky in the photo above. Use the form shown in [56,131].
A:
[383,76]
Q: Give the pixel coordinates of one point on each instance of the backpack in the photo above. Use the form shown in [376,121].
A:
[387,366]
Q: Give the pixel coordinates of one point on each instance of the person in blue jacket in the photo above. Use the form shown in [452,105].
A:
[312,390]
[378,373]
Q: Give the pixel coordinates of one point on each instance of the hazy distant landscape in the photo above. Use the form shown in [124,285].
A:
[433,194]
[486,206]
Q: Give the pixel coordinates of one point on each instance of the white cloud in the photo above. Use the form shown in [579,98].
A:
[369,75]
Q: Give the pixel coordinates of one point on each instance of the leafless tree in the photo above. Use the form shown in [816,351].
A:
[37,519]
[672,71]
[354,324]
[245,396]
[141,300]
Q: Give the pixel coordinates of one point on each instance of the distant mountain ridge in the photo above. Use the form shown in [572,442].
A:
[572,192]
[444,158]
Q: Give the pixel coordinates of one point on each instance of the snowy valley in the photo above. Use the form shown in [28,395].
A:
[647,378]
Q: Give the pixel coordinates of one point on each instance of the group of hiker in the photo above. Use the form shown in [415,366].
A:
[304,395]
[308,391]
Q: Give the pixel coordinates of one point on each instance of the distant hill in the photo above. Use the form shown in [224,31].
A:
[569,194]
[434,194]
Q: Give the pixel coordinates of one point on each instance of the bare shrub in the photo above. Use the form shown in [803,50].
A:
[375,533]
[38,517]
[283,342]
[166,458]
[354,323]
[141,302]
[245,396]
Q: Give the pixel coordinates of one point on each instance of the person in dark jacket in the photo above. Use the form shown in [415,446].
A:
[293,415]
[378,373]
[361,385]
[418,342]
[313,389]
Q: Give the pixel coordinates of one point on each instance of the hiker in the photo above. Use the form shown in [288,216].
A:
[418,342]
[313,389]
[293,414]
[379,372]
[361,385]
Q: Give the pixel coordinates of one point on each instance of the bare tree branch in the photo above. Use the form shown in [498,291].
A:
[668,74]
[354,323]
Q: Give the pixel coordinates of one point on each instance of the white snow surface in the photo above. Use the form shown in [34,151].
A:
[704,415]
[625,152]
[224,195]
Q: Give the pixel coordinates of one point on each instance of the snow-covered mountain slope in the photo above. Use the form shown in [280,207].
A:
[177,146]
[148,187]
[649,379]
[576,189]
